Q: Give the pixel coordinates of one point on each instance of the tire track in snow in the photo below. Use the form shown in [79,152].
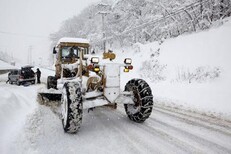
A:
[121,128]
[185,134]
[107,122]
[109,127]
[187,148]
[211,135]
[214,133]
[194,121]
[204,118]
[188,137]
[166,137]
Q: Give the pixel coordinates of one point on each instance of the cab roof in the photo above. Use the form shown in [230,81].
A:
[73,40]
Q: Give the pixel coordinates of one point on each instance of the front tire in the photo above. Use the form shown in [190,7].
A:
[143,99]
[72,108]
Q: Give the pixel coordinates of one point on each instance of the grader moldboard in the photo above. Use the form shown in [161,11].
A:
[82,80]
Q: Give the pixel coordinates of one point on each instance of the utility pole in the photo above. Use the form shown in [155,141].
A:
[29,56]
[40,61]
[103,14]
[104,8]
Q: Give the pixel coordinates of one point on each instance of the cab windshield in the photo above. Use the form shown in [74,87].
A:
[69,52]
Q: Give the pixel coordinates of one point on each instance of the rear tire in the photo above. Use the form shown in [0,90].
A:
[143,99]
[72,108]
[18,83]
[48,82]
[51,82]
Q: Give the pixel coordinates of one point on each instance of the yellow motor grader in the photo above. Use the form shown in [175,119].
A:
[82,80]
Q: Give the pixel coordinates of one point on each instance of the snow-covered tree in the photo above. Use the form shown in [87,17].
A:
[126,22]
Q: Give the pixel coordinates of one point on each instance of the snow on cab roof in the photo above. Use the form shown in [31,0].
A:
[73,40]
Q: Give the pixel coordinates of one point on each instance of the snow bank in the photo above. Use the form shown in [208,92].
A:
[16,103]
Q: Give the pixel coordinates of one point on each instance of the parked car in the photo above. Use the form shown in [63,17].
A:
[21,76]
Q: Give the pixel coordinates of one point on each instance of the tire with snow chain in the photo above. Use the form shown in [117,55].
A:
[72,108]
[143,100]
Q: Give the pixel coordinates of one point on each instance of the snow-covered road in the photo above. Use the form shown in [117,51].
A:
[36,129]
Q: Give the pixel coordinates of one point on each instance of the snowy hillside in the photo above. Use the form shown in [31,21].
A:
[197,70]
[125,22]
[4,66]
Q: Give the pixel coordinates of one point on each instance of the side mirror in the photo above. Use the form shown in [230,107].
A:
[54,51]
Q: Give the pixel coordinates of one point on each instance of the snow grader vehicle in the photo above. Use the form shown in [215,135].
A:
[84,81]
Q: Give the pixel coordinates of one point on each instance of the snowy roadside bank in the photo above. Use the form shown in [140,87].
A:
[16,103]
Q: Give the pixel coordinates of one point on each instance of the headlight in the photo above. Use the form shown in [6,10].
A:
[126,70]
[97,69]
[128,61]
[95,60]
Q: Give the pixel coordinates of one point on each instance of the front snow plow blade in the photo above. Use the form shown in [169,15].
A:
[49,97]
